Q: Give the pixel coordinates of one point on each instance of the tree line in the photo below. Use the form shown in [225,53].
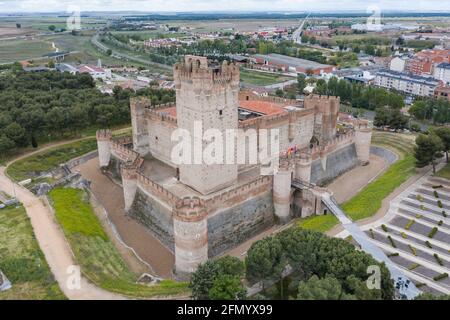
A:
[46,104]
[431,146]
[435,110]
[321,268]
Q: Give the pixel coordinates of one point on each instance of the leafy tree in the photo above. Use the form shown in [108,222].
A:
[427,150]
[328,288]
[301,82]
[51,27]
[6,144]
[265,259]
[444,134]
[227,287]
[203,279]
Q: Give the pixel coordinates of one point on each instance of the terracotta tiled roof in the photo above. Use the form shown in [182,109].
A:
[263,107]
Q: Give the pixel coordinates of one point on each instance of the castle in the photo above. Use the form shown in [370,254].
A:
[200,210]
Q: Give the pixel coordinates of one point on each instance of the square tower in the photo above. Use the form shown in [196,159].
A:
[207,102]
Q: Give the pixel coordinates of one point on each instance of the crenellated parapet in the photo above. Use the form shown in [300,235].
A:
[156,190]
[248,95]
[203,76]
[336,143]
[191,209]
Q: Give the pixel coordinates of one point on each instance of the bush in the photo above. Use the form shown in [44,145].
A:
[428,244]
[439,203]
[413,266]
[440,223]
[419,197]
[436,195]
[441,277]
[404,236]
[410,223]
[432,232]
[438,259]
[392,242]
[385,229]
[413,250]
[444,214]
[395,254]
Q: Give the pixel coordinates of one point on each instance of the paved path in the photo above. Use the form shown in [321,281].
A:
[53,243]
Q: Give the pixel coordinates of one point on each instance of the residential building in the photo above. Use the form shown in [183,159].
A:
[442,72]
[407,83]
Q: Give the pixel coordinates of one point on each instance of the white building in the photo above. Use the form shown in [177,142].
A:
[407,83]
[442,72]
[398,64]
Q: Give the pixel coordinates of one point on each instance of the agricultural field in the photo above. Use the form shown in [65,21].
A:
[100,261]
[262,78]
[23,49]
[22,260]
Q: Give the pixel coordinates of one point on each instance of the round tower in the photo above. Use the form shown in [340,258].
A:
[129,183]
[282,181]
[104,137]
[363,137]
[303,163]
[191,235]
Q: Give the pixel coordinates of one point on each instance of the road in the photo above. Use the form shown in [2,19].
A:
[95,41]
[53,243]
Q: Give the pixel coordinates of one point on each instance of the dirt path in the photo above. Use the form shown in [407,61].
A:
[350,183]
[53,243]
[135,235]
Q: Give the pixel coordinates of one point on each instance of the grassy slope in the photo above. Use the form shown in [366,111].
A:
[46,160]
[368,201]
[22,260]
[99,260]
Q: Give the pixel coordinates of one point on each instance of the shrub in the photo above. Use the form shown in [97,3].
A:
[385,229]
[438,259]
[404,236]
[420,285]
[392,242]
[418,216]
[439,203]
[395,254]
[436,195]
[440,223]
[372,235]
[413,266]
[428,244]
[432,232]
[413,250]
[441,277]
[444,214]
[419,197]
[410,223]
[422,207]
[438,187]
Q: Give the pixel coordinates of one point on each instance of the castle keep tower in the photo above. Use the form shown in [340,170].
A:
[207,98]
[104,147]
[191,235]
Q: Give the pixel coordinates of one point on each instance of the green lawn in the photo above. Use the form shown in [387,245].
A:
[46,160]
[444,172]
[262,78]
[318,223]
[22,260]
[100,261]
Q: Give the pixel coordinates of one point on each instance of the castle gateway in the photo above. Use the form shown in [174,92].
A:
[200,209]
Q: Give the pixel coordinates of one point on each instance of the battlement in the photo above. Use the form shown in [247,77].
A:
[129,170]
[333,144]
[323,104]
[303,158]
[156,190]
[197,70]
[156,114]
[190,209]
[139,104]
[248,95]
[238,194]
[123,153]
[104,135]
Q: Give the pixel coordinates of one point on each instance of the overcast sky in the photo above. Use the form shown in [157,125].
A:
[220,5]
